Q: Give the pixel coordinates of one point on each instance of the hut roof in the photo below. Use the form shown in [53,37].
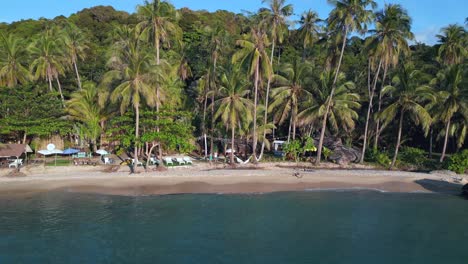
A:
[13,150]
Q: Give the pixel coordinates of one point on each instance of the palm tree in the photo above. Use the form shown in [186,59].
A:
[347,16]
[453,41]
[48,62]
[408,97]
[389,40]
[233,108]
[253,53]
[159,22]
[75,45]
[292,81]
[13,56]
[275,20]
[308,30]
[134,72]
[343,106]
[84,107]
[453,98]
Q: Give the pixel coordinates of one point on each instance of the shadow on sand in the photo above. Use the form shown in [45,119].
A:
[443,187]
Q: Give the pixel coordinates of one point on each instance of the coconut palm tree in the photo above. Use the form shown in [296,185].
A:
[347,16]
[253,54]
[13,56]
[84,107]
[389,40]
[454,40]
[408,98]
[75,45]
[48,61]
[159,21]
[233,108]
[291,82]
[134,74]
[275,21]
[453,98]
[343,107]
[308,30]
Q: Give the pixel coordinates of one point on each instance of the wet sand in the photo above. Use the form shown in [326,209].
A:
[202,178]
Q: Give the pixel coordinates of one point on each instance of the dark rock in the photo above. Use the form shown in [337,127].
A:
[465,190]
[341,154]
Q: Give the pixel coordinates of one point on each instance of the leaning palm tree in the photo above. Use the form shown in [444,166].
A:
[453,98]
[389,40]
[48,61]
[343,106]
[454,40]
[75,45]
[233,107]
[13,56]
[347,16]
[291,82]
[159,21]
[308,30]
[253,54]
[409,97]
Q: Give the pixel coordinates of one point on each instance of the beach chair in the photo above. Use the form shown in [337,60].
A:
[16,163]
[168,161]
[180,161]
[154,161]
[188,160]
[139,163]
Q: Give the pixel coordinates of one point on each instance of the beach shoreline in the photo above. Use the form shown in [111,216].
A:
[203,178]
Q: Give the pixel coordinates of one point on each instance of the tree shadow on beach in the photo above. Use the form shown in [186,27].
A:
[439,186]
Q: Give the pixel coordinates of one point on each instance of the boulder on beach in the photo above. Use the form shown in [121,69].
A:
[341,154]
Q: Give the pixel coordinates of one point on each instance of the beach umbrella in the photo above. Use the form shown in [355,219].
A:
[70,151]
[45,152]
[102,152]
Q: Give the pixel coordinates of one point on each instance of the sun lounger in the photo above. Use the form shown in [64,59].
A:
[154,161]
[180,161]
[188,160]
[139,163]
[168,161]
[16,163]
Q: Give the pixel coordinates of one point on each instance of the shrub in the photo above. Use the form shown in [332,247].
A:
[413,156]
[459,162]
[380,158]
[293,149]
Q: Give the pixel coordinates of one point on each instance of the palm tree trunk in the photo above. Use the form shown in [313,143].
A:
[378,129]
[371,98]
[157,50]
[430,144]
[60,89]
[289,129]
[324,121]
[204,121]
[265,119]
[232,144]
[137,133]
[157,118]
[77,74]
[447,128]
[293,116]
[400,127]
[254,147]
[212,126]
[49,78]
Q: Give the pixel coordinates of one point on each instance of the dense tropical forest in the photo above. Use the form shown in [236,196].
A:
[162,79]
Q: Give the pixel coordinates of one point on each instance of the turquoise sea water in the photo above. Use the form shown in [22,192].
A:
[302,227]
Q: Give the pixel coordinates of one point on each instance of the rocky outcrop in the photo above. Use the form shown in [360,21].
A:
[341,154]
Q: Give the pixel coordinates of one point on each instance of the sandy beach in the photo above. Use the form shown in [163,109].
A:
[204,178]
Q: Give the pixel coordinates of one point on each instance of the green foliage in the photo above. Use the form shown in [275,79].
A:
[380,158]
[413,156]
[459,162]
[326,152]
[293,149]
